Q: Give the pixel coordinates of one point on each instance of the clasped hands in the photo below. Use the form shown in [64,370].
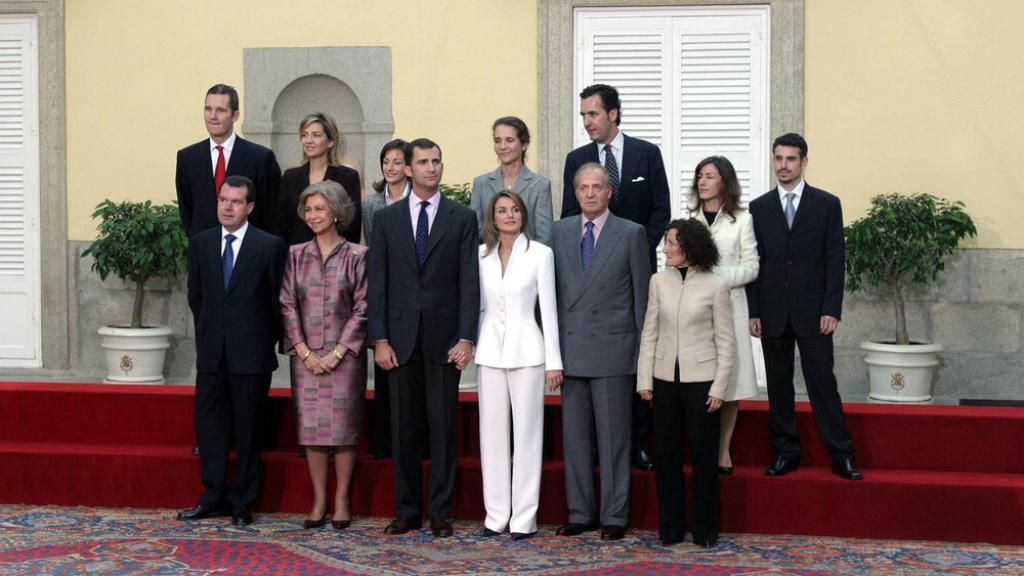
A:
[320,365]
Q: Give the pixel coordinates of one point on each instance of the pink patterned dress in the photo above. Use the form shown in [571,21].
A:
[323,303]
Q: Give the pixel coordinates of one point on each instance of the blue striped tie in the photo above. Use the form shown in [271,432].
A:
[587,247]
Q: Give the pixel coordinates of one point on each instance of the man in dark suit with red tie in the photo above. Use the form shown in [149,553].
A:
[203,166]
[234,280]
[424,308]
[639,193]
[797,300]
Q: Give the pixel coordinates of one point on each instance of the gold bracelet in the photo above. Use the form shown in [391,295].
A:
[306,355]
[337,354]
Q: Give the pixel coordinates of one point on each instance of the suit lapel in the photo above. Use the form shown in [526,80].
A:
[807,200]
[494,181]
[213,256]
[237,159]
[443,218]
[243,260]
[524,181]
[204,161]
[403,223]
[775,210]
[571,238]
[606,244]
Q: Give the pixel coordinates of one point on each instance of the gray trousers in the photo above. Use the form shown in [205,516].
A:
[604,405]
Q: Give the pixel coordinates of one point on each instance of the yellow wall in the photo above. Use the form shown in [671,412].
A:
[137,73]
[919,96]
[908,96]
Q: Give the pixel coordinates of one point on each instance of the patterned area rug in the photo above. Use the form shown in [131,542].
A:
[41,540]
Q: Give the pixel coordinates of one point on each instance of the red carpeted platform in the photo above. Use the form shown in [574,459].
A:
[932,472]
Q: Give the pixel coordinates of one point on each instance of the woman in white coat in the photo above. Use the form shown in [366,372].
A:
[715,201]
[514,360]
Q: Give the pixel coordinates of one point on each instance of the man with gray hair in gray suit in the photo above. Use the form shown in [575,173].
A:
[602,268]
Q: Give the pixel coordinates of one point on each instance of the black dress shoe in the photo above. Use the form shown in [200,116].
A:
[613,532]
[572,529]
[488,533]
[705,543]
[725,470]
[522,535]
[308,524]
[782,466]
[642,459]
[846,469]
[403,525]
[340,524]
[199,512]
[440,528]
[241,517]
[671,541]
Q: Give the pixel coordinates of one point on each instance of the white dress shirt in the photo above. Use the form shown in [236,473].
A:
[228,145]
[616,145]
[798,190]
[237,244]
[414,210]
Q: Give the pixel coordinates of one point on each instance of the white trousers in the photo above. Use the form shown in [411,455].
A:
[511,481]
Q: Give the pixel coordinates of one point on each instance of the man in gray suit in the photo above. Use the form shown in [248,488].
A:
[603,268]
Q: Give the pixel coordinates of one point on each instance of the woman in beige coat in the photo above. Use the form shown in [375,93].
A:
[715,201]
[687,350]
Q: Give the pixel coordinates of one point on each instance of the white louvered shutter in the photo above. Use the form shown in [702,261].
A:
[19,192]
[693,80]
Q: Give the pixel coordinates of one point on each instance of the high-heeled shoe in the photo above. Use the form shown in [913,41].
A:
[725,470]
[341,524]
[308,524]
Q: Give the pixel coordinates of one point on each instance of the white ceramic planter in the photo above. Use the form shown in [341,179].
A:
[135,355]
[899,373]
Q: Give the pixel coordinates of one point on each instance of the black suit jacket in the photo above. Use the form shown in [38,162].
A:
[443,297]
[243,322]
[643,189]
[802,270]
[293,229]
[197,200]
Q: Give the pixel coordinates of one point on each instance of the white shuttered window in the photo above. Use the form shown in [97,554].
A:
[693,80]
[19,192]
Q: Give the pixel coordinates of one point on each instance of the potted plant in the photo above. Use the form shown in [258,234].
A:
[903,242]
[137,241]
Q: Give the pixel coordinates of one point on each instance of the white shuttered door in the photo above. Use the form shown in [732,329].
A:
[693,80]
[19,192]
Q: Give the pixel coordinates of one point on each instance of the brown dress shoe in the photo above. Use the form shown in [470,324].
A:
[440,528]
[403,525]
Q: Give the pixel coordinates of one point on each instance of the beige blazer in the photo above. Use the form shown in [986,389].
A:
[690,321]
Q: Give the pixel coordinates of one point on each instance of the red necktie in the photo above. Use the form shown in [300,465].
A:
[218,176]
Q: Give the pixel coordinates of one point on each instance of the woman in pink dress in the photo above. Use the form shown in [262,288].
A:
[323,303]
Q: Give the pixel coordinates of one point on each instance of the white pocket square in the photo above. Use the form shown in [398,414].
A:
[638,179]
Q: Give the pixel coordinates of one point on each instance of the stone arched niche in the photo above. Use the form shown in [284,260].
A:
[318,93]
[353,84]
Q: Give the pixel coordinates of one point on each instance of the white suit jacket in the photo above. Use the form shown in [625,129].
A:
[509,335]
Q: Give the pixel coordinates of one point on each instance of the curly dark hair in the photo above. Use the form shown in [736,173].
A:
[696,241]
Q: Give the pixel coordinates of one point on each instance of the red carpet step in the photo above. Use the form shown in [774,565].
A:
[932,472]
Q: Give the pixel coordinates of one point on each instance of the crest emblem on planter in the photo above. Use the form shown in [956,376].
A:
[126,363]
[897,383]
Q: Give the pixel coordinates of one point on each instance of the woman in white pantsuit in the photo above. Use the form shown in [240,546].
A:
[715,198]
[514,360]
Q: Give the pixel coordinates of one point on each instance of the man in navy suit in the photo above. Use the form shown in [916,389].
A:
[424,307]
[203,166]
[797,300]
[639,193]
[234,277]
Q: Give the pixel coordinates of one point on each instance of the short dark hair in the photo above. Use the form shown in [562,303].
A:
[225,89]
[696,241]
[422,144]
[515,123]
[239,181]
[731,190]
[609,98]
[396,144]
[791,139]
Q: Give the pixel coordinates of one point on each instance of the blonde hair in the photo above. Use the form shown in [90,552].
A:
[330,130]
